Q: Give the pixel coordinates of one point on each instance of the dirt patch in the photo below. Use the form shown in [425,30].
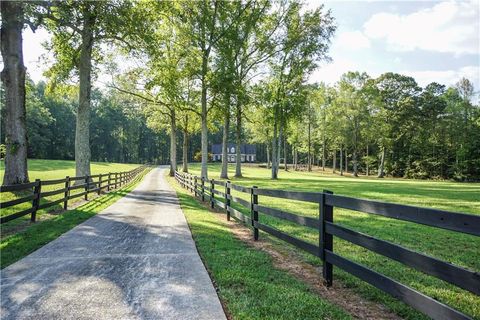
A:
[347,299]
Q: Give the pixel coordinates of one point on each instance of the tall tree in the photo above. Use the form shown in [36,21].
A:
[305,38]
[79,27]
[13,78]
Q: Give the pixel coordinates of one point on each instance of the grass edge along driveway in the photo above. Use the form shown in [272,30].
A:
[249,286]
[21,244]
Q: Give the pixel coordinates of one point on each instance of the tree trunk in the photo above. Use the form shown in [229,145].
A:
[226,128]
[381,168]
[268,155]
[355,164]
[334,161]
[274,145]
[238,141]
[204,138]
[82,130]
[13,78]
[341,161]
[185,151]
[309,146]
[279,147]
[346,161]
[173,143]
[368,163]
[323,154]
[285,163]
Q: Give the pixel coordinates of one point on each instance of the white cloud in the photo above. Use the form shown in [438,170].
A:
[446,77]
[331,73]
[451,26]
[352,40]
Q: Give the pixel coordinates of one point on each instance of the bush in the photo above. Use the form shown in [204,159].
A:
[198,156]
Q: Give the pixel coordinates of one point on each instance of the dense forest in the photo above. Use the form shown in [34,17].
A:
[185,75]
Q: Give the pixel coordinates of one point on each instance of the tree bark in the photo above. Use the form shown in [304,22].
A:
[204,173]
[355,164]
[334,161]
[341,161]
[323,154]
[226,128]
[238,141]
[13,78]
[268,155]
[368,162]
[381,168]
[185,151]
[82,129]
[173,143]
[274,145]
[346,161]
[285,154]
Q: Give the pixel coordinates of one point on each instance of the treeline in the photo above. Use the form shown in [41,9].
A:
[118,129]
[383,126]
[211,70]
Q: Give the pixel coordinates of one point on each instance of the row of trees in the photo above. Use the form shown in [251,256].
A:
[235,69]
[388,125]
[118,127]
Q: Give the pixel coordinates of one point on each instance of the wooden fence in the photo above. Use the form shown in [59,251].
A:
[90,184]
[218,193]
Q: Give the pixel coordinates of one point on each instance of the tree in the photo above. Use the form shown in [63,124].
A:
[305,38]
[13,78]
[79,27]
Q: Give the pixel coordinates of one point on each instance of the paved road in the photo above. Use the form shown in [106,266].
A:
[134,260]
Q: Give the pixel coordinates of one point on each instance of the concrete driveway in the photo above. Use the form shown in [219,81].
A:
[134,260]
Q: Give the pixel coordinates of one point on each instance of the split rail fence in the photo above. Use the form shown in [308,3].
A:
[218,193]
[89,184]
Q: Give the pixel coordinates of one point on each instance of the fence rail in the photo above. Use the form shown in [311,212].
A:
[89,186]
[327,229]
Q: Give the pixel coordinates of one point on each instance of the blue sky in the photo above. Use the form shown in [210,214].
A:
[429,40]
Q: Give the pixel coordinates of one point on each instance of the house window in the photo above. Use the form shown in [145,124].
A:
[232,150]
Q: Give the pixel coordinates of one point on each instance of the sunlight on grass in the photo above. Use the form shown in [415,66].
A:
[457,248]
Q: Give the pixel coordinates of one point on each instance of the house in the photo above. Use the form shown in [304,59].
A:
[248,151]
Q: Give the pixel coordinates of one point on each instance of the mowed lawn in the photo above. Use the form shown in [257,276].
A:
[460,249]
[50,170]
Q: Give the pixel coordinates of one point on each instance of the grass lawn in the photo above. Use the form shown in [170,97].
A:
[450,246]
[50,170]
[249,285]
[17,246]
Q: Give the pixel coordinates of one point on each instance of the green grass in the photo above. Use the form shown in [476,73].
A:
[249,285]
[50,170]
[17,246]
[454,247]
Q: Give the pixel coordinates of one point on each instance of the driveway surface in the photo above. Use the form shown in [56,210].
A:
[134,260]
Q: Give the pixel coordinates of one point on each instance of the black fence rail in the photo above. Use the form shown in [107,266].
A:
[89,184]
[218,193]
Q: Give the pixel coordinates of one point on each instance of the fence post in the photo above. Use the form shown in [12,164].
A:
[326,240]
[109,180]
[212,195]
[87,185]
[67,192]
[195,186]
[203,189]
[36,201]
[227,199]
[253,211]
[116,180]
[99,186]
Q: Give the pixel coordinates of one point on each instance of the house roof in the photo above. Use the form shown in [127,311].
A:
[245,148]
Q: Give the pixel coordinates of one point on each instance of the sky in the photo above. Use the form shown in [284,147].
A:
[432,41]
